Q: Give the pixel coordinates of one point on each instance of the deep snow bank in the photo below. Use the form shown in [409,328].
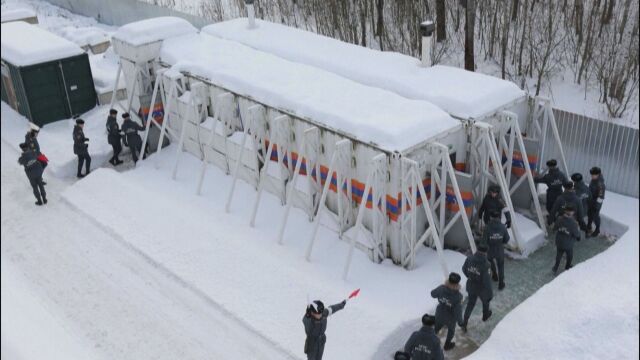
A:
[590,312]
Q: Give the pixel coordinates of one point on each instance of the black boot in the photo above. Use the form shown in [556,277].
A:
[501,286]
[44,200]
[39,203]
[80,176]
[449,346]
[595,232]
[487,316]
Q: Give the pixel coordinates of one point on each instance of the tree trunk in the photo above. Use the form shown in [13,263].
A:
[514,10]
[380,26]
[441,21]
[469,63]
[505,41]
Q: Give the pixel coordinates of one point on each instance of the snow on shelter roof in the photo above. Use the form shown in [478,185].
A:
[25,44]
[368,114]
[17,14]
[463,94]
[155,29]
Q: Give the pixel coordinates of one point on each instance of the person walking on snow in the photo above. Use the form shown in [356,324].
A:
[554,178]
[315,325]
[449,310]
[495,237]
[582,190]
[424,343]
[597,189]
[569,196]
[33,168]
[132,138]
[81,148]
[114,138]
[493,202]
[476,269]
[567,233]
[31,139]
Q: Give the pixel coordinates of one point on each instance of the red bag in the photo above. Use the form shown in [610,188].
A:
[43,159]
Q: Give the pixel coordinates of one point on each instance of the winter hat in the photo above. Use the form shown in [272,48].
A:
[595,171]
[552,163]
[79,121]
[568,185]
[454,278]
[34,127]
[24,146]
[428,320]
[495,214]
[482,248]
[113,111]
[494,188]
[401,355]
[577,177]
[125,115]
[316,307]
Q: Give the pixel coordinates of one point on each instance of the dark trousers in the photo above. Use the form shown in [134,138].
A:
[500,263]
[471,303]
[593,215]
[135,151]
[559,253]
[451,331]
[552,196]
[84,159]
[117,149]
[38,188]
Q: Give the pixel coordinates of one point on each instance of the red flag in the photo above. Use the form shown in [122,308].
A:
[354,293]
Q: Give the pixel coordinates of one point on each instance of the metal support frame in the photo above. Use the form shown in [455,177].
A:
[375,181]
[485,159]
[340,160]
[543,112]
[278,136]
[141,69]
[308,151]
[196,111]
[411,188]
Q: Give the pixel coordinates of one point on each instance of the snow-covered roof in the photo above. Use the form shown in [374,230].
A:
[25,44]
[17,14]
[461,93]
[155,29]
[369,114]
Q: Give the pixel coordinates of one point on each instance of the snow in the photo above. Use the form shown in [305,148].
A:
[56,141]
[368,114]
[531,236]
[461,93]
[152,30]
[104,68]
[17,14]
[590,312]
[243,269]
[25,44]
[85,35]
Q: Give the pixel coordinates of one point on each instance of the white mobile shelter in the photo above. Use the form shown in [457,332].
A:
[467,96]
[368,154]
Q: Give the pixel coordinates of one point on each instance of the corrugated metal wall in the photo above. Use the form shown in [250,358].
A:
[591,142]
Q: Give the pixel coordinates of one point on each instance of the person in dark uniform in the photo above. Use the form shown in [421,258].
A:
[315,325]
[554,178]
[31,139]
[81,148]
[476,269]
[449,310]
[567,233]
[493,202]
[582,190]
[33,168]
[495,237]
[401,355]
[597,189]
[130,129]
[424,343]
[114,138]
[569,196]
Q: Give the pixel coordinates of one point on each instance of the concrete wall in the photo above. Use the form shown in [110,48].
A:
[120,12]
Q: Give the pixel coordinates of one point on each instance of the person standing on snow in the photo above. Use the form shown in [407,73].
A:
[33,168]
[493,202]
[554,178]
[476,269]
[114,138]
[31,139]
[582,190]
[449,310]
[315,325]
[424,343]
[569,196]
[81,148]
[495,237]
[132,138]
[567,233]
[597,189]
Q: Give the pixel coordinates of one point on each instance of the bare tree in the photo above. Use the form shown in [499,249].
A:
[441,21]
[469,58]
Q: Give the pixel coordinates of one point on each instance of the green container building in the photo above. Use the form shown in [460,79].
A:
[44,77]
